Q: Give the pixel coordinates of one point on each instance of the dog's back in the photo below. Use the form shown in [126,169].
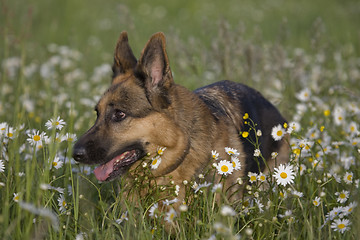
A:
[227,99]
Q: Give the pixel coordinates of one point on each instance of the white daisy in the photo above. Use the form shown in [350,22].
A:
[57,163]
[348,178]
[214,155]
[16,197]
[342,196]
[160,150]
[183,207]
[316,201]
[10,132]
[235,162]
[170,202]
[350,208]
[261,177]
[62,203]
[293,127]
[70,137]
[225,167]
[353,129]
[217,187]
[252,177]
[227,211]
[340,225]
[57,123]
[170,216]
[260,205]
[354,141]
[284,174]
[304,95]
[202,185]
[35,138]
[297,193]
[278,132]
[339,115]
[274,155]
[302,169]
[2,166]
[232,151]
[155,162]
[3,127]
[122,218]
[153,210]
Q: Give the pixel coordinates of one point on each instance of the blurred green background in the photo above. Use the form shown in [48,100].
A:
[92,26]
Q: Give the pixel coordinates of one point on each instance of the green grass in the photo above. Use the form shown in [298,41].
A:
[52,64]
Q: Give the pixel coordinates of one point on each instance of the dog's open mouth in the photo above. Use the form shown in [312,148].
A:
[117,165]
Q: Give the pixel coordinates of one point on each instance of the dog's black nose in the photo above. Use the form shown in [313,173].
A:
[79,153]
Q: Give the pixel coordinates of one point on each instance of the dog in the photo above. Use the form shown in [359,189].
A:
[144,109]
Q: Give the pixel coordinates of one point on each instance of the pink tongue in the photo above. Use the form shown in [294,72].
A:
[102,172]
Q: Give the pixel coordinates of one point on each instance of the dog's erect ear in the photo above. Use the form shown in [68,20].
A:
[124,58]
[154,70]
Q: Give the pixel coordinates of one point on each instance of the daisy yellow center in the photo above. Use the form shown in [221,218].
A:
[349,177]
[316,202]
[10,134]
[297,151]
[70,139]
[154,162]
[172,216]
[262,178]
[279,133]
[16,198]
[327,113]
[283,175]
[57,123]
[234,164]
[352,128]
[63,203]
[3,129]
[341,226]
[160,151]
[342,195]
[231,152]
[350,210]
[252,178]
[224,168]
[340,118]
[54,164]
[36,138]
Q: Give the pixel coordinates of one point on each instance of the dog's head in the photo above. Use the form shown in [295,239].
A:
[130,115]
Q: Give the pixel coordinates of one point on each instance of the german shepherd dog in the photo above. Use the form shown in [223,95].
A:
[145,109]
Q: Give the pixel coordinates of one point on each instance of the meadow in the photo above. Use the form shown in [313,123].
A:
[56,59]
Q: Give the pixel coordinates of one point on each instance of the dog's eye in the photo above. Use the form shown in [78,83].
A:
[118,116]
